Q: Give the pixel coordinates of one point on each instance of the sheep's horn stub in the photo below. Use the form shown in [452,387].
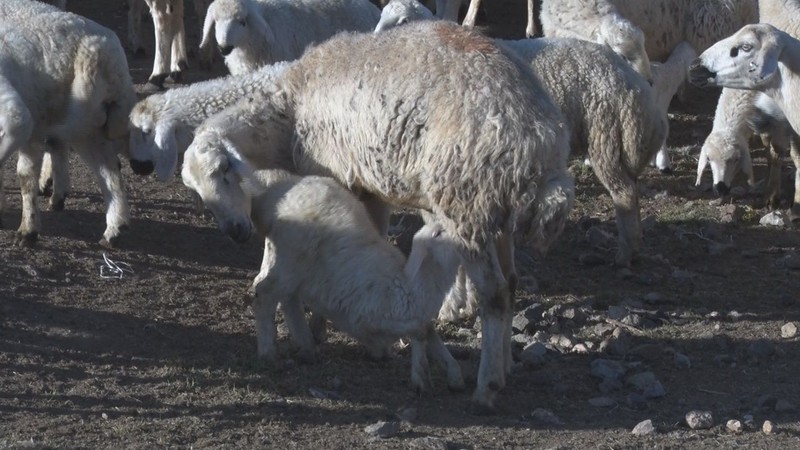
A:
[699,75]
[142,167]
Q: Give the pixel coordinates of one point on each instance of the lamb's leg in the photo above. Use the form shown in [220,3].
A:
[774,183]
[59,165]
[319,327]
[472,13]
[455,299]
[420,369]
[795,154]
[505,256]
[265,302]
[46,176]
[438,351]
[624,191]
[179,60]
[662,160]
[29,163]
[101,157]
[2,197]
[298,329]
[378,210]
[164,35]
[530,29]
[495,305]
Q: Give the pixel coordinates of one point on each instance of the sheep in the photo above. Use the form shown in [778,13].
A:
[170,58]
[762,58]
[162,124]
[432,116]
[356,278]
[398,12]
[74,93]
[252,33]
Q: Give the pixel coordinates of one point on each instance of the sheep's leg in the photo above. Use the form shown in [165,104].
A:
[455,299]
[2,197]
[420,369]
[378,210]
[319,327]
[530,29]
[135,10]
[29,163]
[663,163]
[46,176]
[624,192]
[438,351]
[505,256]
[59,169]
[472,13]
[298,329]
[774,180]
[164,35]
[265,302]
[179,60]
[104,163]
[495,305]
[795,154]
[747,168]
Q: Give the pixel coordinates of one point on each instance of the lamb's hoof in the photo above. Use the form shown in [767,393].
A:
[47,189]
[26,239]
[176,77]
[667,171]
[113,241]
[57,204]
[158,80]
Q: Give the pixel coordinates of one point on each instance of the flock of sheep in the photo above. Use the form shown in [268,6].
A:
[323,126]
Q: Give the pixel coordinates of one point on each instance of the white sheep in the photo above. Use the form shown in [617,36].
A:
[252,33]
[433,116]
[322,251]
[170,59]
[162,125]
[399,12]
[75,92]
[762,58]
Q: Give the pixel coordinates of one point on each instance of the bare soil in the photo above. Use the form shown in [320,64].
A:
[165,355]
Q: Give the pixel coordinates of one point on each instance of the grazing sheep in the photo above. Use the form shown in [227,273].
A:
[162,125]
[762,58]
[432,116]
[252,33]
[170,35]
[72,93]
[322,251]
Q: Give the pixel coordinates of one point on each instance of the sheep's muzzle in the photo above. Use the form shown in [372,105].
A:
[699,75]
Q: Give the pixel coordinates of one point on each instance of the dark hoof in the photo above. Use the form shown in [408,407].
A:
[177,77]
[109,243]
[158,80]
[183,65]
[142,167]
[667,171]
[57,205]
[47,190]
[26,240]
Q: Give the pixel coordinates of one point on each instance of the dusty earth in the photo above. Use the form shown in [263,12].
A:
[165,355]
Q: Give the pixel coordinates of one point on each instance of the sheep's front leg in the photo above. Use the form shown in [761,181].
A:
[2,197]
[55,174]
[264,307]
[420,370]
[179,59]
[164,33]
[298,329]
[774,180]
[438,351]
[28,166]
[101,157]
[795,154]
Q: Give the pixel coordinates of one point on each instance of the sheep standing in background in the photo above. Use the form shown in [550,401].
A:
[762,58]
[170,35]
[430,116]
[323,252]
[74,93]
[162,125]
[399,12]
[252,33]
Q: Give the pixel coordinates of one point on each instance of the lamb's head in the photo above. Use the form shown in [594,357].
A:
[746,60]
[214,170]
[232,22]
[626,40]
[432,264]
[143,124]
[551,207]
[399,12]
[726,154]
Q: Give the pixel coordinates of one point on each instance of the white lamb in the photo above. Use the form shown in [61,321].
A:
[75,92]
[162,125]
[433,116]
[323,252]
[252,33]
[758,57]
[170,58]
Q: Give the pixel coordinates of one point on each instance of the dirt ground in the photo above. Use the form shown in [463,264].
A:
[165,355]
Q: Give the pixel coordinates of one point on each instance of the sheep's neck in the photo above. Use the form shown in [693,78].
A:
[787,95]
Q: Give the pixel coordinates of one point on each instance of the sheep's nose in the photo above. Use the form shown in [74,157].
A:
[238,231]
[142,167]
[722,188]
[225,49]
[699,75]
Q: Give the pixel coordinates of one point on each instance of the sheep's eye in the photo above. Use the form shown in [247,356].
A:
[437,233]
[402,20]
[734,52]
[746,47]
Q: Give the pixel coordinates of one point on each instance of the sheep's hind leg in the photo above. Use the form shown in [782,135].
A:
[59,176]
[28,166]
[774,177]
[2,197]
[438,351]
[104,163]
[420,369]
[264,307]
[795,154]
[298,329]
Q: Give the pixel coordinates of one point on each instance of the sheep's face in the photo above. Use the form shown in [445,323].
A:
[215,174]
[746,60]
[142,127]
[725,156]
[399,12]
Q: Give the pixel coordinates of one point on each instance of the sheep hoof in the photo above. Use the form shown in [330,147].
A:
[113,241]
[47,189]
[667,171]
[158,80]
[26,239]
[177,77]
[57,204]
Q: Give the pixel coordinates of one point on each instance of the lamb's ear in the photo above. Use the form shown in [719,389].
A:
[414,262]
[765,64]
[166,151]
[208,26]
[701,165]
[256,20]
[237,163]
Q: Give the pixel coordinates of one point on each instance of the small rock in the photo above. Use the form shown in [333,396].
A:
[580,349]
[653,298]
[699,420]
[789,330]
[620,342]
[428,443]
[534,312]
[761,348]
[784,405]
[541,336]
[607,369]
[602,329]
[734,426]
[792,262]
[546,416]
[749,421]
[679,274]
[104,416]
[715,202]
[644,428]
[648,384]
[768,427]
[617,312]
[774,219]
[574,314]
[520,323]
[562,341]
[632,319]
[731,213]
[533,353]
[602,402]
[383,429]
[522,338]
[681,361]
[591,259]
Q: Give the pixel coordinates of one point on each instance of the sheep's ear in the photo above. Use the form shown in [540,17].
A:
[256,20]
[208,26]
[415,259]
[237,163]
[765,64]
[701,165]
[166,157]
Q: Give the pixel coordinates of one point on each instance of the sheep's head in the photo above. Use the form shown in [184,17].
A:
[746,60]
[726,155]
[230,21]
[214,170]
[626,40]
[399,12]
[142,126]
[552,205]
